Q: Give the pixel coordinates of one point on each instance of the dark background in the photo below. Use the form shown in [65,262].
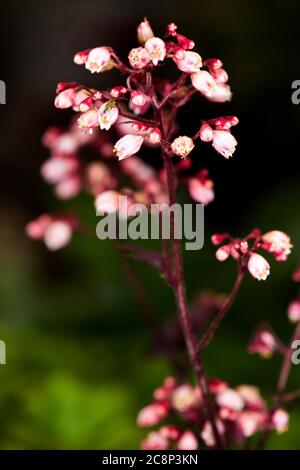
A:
[79,364]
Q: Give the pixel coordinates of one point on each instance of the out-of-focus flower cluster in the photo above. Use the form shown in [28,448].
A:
[241,413]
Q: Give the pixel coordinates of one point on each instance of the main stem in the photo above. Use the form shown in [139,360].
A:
[180,295]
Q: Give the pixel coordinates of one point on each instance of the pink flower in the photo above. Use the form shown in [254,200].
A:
[155,441]
[223,253]
[107,202]
[57,235]
[184,398]
[201,190]
[128,145]
[156,49]
[188,61]
[224,143]
[139,58]
[108,114]
[230,403]
[152,414]
[182,146]
[277,242]
[207,433]
[220,93]
[294,311]
[187,441]
[56,169]
[280,420]
[251,397]
[206,132]
[204,82]
[144,31]
[258,266]
[68,187]
[65,99]
[263,343]
[250,422]
[98,59]
[88,120]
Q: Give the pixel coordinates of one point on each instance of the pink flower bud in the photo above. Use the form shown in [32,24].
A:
[156,49]
[155,441]
[98,59]
[201,191]
[172,28]
[155,136]
[139,58]
[118,91]
[220,75]
[217,386]
[204,82]
[138,98]
[258,266]
[182,146]
[294,311]
[278,243]
[170,432]
[184,42]
[224,143]
[188,61]
[214,64]
[89,119]
[280,420]
[218,238]
[57,235]
[144,31]
[152,414]
[263,343]
[81,57]
[164,392]
[206,132]
[65,99]
[128,145]
[68,187]
[36,228]
[223,252]
[108,114]
[187,441]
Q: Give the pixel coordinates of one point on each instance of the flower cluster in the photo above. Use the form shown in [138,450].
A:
[244,250]
[117,125]
[241,413]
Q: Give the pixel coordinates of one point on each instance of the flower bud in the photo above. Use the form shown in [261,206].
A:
[258,267]
[144,31]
